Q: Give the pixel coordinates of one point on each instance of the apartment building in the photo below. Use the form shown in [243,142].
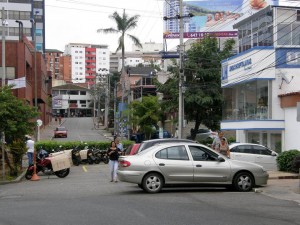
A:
[26,18]
[86,61]
[52,59]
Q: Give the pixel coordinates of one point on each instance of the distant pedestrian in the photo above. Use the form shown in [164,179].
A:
[59,119]
[176,133]
[30,149]
[113,154]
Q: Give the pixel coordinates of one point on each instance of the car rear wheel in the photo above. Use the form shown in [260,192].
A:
[153,183]
[243,182]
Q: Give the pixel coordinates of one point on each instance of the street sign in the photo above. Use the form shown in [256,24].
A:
[39,123]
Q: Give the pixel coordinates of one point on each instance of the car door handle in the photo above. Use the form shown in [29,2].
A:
[161,164]
[198,165]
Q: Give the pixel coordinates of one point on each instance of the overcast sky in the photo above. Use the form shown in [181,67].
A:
[69,21]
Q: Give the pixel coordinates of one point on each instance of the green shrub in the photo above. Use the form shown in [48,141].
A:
[50,145]
[285,160]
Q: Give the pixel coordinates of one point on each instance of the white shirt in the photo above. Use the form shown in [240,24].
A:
[30,146]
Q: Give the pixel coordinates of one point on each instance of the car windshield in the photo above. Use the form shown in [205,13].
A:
[60,128]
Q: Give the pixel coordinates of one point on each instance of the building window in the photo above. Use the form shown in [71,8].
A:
[247,101]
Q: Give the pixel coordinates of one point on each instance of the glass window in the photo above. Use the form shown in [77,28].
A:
[202,154]
[245,149]
[276,142]
[247,101]
[253,137]
[73,92]
[296,34]
[284,34]
[82,92]
[174,153]
[39,32]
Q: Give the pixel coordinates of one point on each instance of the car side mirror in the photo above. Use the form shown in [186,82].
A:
[273,154]
[220,159]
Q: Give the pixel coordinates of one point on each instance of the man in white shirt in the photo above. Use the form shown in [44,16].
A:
[30,150]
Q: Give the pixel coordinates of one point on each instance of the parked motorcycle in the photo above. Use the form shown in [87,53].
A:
[58,165]
[101,155]
[76,159]
[87,155]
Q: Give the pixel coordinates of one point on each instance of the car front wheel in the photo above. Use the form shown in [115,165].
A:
[243,182]
[153,183]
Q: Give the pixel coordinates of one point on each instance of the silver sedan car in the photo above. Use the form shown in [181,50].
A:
[188,163]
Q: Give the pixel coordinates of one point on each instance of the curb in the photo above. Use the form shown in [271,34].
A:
[17,180]
[285,177]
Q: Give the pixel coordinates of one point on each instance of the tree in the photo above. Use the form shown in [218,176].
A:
[17,120]
[124,24]
[17,117]
[145,113]
[203,96]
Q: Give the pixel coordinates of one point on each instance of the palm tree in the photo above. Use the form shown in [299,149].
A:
[124,24]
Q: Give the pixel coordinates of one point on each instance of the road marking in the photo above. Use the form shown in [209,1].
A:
[84,168]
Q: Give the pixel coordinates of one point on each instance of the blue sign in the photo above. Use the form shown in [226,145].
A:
[245,63]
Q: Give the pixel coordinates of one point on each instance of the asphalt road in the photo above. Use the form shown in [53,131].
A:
[80,129]
[87,197]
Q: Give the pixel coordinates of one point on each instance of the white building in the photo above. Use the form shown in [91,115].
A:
[261,84]
[149,54]
[72,100]
[87,60]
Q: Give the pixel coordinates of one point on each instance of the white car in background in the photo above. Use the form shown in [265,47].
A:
[254,153]
[205,134]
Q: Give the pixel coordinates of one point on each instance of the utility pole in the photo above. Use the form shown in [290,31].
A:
[3,84]
[181,74]
[180,17]
[35,72]
[115,108]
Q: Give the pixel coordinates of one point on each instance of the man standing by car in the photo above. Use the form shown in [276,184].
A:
[119,145]
[217,141]
[30,149]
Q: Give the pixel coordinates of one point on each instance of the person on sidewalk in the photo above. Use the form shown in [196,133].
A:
[30,149]
[113,154]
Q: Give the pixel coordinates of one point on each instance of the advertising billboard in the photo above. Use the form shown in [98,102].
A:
[215,17]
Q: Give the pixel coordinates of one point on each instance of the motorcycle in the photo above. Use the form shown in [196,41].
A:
[87,156]
[101,155]
[58,165]
[76,159]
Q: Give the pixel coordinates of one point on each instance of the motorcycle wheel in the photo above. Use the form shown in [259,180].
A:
[105,160]
[97,161]
[76,162]
[62,173]
[29,174]
[90,161]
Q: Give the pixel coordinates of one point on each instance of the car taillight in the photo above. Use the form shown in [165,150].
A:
[125,163]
